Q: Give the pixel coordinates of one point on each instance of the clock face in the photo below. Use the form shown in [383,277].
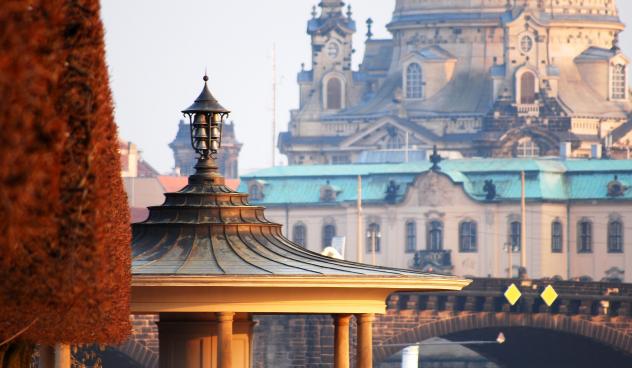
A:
[333,50]
[526,43]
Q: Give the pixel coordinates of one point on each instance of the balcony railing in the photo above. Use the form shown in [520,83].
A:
[528,109]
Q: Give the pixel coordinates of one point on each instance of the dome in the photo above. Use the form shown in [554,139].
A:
[443,6]
[414,12]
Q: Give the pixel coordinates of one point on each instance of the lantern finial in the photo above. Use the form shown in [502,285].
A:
[206,117]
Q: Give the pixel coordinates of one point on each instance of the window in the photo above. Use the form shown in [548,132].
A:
[411,237]
[394,141]
[467,237]
[615,236]
[584,238]
[373,236]
[527,88]
[435,235]
[329,232]
[527,148]
[556,237]
[334,94]
[414,84]
[255,192]
[299,234]
[340,159]
[515,239]
[618,82]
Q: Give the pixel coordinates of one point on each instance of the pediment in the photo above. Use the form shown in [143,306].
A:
[390,131]
[429,54]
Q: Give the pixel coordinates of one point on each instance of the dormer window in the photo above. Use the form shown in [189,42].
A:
[616,188]
[618,82]
[328,193]
[255,190]
[414,81]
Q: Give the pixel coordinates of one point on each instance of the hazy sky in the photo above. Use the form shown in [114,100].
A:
[157,51]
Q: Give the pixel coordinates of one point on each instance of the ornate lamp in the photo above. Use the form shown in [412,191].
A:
[206,118]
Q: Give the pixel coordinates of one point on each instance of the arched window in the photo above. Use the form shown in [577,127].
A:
[584,236]
[299,234]
[515,239]
[615,236]
[467,237]
[618,82]
[373,236]
[414,81]
[411,237]
[329,232]
[527,148]
[556,237]
[334,94]
[527,88]
[435,235]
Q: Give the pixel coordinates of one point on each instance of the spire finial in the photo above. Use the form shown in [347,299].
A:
[205,78]
[349,13]
[314,13]
[369,23]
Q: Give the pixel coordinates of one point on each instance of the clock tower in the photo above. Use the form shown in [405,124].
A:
[331,34]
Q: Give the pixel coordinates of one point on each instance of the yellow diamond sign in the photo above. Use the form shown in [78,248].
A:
[549,295]
[512,294]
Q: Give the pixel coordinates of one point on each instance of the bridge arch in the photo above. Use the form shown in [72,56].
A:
[586,328]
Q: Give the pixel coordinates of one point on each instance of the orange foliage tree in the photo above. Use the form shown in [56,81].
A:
[64,222]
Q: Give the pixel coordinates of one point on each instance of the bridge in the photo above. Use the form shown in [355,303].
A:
[588,325]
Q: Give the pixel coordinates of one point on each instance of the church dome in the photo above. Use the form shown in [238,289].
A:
[417,12]
[417,6]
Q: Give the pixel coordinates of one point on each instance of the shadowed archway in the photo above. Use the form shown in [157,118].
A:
[542,340]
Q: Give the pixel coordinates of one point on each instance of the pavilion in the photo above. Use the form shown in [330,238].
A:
[206,261]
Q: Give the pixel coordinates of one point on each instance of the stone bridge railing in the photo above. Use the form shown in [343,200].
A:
[487,295]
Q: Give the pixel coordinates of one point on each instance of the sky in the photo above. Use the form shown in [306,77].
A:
[158,51]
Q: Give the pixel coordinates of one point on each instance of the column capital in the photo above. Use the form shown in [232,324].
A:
[342,319]
[365,317]
[225,316]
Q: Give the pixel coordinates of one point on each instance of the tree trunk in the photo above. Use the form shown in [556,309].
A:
[16,354]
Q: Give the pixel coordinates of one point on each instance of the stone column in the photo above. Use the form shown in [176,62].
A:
[365,339]
[341,340]
[225,339]
[46,356]
[62,356]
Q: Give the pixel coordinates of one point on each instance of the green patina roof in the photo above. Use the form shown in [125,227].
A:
[547,179]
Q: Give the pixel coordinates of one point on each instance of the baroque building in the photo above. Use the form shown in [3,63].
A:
[461,216]
[227,159]
[477,78]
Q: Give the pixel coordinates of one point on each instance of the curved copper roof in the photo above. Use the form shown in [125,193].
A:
[208,229]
